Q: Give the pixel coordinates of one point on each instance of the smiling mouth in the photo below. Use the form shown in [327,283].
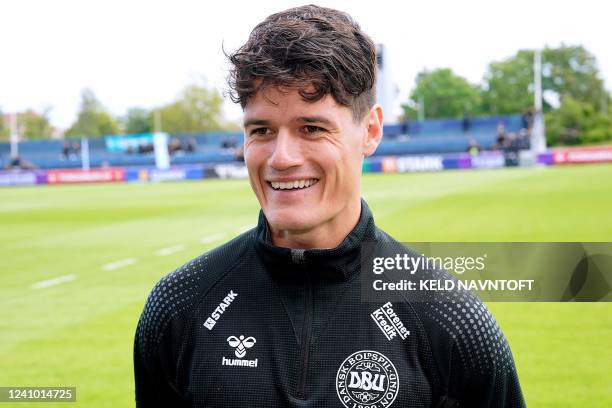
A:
[293,185]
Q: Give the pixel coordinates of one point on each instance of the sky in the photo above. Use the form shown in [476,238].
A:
[142,53]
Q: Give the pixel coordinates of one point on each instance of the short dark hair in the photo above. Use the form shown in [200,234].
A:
[308,45]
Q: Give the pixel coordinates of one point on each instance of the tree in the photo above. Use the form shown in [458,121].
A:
[572,71]
[138,120]
[92,119]
[198,109]
[508,85]
[577,122]
[34,125]
[4,127]
[566,71]
[444,94]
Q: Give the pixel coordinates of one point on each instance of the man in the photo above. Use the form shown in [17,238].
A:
[273,318]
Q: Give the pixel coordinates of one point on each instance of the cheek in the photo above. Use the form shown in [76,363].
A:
[341,165]
[254,155]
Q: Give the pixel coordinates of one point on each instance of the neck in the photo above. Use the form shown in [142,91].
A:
[327,235]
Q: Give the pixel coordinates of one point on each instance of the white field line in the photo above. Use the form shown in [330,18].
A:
[213,238]
[118,264]
[170,250]
[54,281]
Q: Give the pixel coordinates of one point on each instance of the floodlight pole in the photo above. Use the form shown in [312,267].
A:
[14,136]
[538,132]
[537,75]
[85,153]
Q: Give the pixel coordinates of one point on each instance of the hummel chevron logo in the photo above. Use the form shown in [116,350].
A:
[240,345]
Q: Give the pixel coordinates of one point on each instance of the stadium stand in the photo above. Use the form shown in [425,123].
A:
[429,136]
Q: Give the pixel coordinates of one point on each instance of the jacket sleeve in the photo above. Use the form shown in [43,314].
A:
[154,364]
[482,370]
[486,378]
[475,365]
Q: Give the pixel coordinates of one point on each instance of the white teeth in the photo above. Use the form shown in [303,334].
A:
[290,185]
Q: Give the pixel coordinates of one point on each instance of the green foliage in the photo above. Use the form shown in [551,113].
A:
[566,71]
[577,122]
[138,120]
[93,119]
[31,125]
[198,109]
[444,95]
[34,125]
[572,71]
[508,85]
[4,128]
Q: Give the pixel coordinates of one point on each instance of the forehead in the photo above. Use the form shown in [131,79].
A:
[274,101]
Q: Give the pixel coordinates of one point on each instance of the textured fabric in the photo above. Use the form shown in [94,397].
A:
[251,324]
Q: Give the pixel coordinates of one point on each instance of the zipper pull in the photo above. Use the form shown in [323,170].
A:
[297,256]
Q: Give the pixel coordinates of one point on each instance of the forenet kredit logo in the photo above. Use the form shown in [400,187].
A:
[367,379]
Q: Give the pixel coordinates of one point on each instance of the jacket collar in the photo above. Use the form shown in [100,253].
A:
[335,264]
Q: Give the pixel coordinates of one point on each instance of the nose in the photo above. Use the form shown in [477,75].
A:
[286,153]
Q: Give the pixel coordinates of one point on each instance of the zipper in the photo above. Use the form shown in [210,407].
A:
[305,342]
[298,257]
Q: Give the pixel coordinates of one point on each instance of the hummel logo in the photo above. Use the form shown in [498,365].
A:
[241,344]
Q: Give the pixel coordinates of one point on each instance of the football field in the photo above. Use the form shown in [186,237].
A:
[79,261]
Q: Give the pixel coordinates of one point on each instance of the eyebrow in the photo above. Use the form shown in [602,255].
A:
[259,122]
[315,119]
[303,119]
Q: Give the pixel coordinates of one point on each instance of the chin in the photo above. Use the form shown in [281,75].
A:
[291,218]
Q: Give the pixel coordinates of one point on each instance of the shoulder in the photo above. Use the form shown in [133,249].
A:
[177,293]
[457,323]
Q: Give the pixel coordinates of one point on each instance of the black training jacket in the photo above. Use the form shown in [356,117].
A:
[249,324]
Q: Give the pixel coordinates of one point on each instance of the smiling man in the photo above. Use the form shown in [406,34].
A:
[274,318]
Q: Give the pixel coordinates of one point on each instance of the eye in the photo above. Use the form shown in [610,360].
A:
[262,131]
[311,129]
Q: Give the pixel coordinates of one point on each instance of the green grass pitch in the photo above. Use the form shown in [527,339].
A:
[108,245]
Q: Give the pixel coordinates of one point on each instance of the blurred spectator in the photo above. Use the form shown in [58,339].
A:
[145,148]
[191,145]
[474,147]
[405,126]
[229,143]
[17,163]
[76,148]
[527,120]
[71,150]
[511,149]
[465,123]
[174,146]
[501,136]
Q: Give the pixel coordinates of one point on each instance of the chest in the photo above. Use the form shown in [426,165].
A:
[280,349]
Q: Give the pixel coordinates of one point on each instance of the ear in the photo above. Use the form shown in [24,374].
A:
[374,130]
